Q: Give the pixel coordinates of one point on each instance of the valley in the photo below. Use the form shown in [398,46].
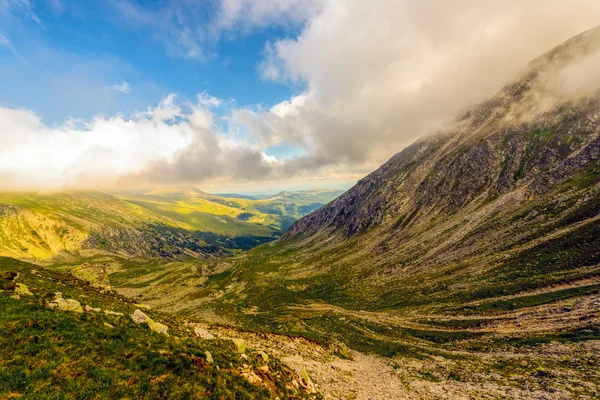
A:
[466,266]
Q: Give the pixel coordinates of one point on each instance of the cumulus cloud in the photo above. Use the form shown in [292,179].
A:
[378,75]
[382,73]
[248,14]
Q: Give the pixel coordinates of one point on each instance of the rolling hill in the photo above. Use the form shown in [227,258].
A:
[161,223]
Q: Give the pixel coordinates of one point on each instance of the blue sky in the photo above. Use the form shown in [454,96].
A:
[71,53]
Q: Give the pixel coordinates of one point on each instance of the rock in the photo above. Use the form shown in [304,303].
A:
[264,368]
[87,308]
[7,280]
[139,317]
[144,306]
[158,327]
[8,285]
[109,312]
[106,324]
[209,358]
[95,275]
[65,305]
[261,355]
[240,345]
[306,382]
[22,290]
[203,333]
[252,377]
[8,275]
[341,350]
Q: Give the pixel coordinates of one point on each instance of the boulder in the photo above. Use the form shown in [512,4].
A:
[65,305]
[262,356]
[7,280]
[209,357]
[240,345]
[139,318]
[203,333]
[22,290]
[90,309]
[8,275]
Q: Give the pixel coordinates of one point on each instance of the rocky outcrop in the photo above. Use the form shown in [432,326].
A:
[140,318]
[22,290]
[61,304]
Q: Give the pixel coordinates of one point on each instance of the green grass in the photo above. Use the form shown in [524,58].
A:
[56,355]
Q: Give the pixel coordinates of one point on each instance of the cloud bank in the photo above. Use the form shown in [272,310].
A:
[378,75]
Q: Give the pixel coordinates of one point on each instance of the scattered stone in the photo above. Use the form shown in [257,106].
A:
[144,306]
[87,308]
[244,356]
[209,357]
[264,368]
[22,290]
[106,324]
[240,345]
[139,317]
[203,333]
[108,312]
[252,377]
[306,382]
[65,304]
[262,356]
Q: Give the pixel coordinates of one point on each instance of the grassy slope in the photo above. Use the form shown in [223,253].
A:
[232,216]
[55,354]
[37,226]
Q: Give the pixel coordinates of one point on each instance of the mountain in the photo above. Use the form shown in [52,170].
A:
[479,241]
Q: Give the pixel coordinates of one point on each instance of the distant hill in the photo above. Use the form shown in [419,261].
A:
[160,223]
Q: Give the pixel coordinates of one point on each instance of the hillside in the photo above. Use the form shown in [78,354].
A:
[480,242]
[170,223]
[230,214]
[99,348]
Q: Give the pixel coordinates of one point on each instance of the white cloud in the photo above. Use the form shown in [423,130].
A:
[378,74]
[209,101]
[121,87]
[381,73]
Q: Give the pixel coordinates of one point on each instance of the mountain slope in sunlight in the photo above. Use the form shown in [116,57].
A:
[481,242]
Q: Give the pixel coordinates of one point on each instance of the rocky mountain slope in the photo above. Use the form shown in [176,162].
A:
[477,248]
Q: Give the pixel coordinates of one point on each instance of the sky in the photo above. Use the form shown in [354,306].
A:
[248,95]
